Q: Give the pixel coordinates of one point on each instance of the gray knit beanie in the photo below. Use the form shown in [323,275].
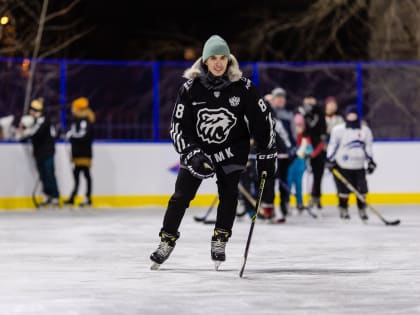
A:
[215,45]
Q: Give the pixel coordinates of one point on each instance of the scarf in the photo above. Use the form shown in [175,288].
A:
[211,82]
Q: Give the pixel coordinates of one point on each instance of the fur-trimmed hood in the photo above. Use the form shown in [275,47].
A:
[233,71]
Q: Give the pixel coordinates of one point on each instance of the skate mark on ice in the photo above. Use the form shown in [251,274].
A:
[192,270]
[312,271]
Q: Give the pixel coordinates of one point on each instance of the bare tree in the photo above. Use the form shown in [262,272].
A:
[38,32]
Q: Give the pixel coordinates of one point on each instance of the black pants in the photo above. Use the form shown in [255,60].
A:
[357,179]
[46,172]
[317,165]
[186,187]
[281,176]
[76,176]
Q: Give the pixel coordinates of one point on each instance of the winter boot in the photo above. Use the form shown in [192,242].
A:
[344,213]
[363,215]
[165,248]
[267,212]
[218,245]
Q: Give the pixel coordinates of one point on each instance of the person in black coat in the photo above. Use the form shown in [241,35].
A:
[317,130]
[81,139]
[37,128]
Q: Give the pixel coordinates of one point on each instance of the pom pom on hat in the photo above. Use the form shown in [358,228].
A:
[80,103]
[37,105]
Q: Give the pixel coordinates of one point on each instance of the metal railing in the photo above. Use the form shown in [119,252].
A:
[134,100]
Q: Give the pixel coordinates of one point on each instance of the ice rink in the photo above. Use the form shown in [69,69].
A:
[96,262]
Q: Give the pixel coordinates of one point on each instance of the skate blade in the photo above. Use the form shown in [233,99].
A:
[217,265]
[155,266]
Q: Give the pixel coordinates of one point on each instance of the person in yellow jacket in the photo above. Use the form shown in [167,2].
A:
[81,139]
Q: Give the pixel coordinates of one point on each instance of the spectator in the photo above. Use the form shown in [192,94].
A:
[6,127]
[286,141]
[317,130]
[298,165]
[81,138]
[331,117]
[37,127]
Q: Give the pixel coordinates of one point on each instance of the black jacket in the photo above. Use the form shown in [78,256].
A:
[43,138]
[220,122]
[316,125]
[81,137]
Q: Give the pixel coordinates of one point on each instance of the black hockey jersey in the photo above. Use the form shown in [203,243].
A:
[81,137]
[220,122]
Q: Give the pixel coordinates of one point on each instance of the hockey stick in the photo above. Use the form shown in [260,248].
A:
[253,219]
[248,196]
[362,198]
[34,191]
[204,217]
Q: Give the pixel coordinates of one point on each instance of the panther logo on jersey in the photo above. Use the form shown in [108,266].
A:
[214,125]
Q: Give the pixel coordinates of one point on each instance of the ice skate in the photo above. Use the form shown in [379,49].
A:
[300,208]
[344,213]
[165,248]
[68,203]
[50,203]
[218,245]
[363,215]
[315,202]
[87,203]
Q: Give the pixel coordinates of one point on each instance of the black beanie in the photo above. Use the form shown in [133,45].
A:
[352,109]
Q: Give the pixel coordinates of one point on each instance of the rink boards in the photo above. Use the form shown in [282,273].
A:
[143,174]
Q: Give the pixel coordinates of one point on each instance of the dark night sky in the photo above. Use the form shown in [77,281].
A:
[122,27]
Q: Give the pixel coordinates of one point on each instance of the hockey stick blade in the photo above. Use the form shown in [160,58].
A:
[200,219]
[204,217]
[209,221]
[396,222]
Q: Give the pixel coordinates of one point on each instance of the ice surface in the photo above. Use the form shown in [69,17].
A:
[97,262]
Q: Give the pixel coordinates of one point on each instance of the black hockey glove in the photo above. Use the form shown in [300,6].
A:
[331,165]
[266,161]
[198,164]
[371,167]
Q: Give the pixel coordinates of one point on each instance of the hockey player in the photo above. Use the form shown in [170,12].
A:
[216,112]
[37,127]
[81,138]
[349,149]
